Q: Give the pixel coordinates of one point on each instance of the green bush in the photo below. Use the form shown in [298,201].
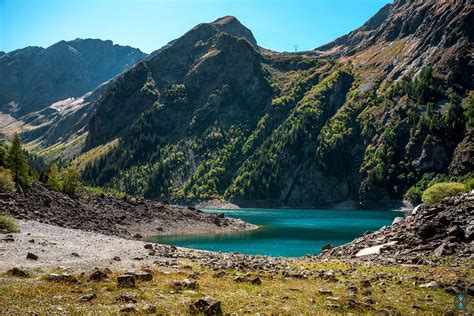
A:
[8,224]
[53,180]
[71,181]
[6,180]
[469,185]
[439,191]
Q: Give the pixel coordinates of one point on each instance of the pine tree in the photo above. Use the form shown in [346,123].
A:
[3,155]
[16,162]
[53,181]
[71,180]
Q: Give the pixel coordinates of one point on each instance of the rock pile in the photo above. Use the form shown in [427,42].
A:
[444,229]
[125,217]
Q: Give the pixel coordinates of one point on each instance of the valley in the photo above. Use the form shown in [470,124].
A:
[216,176]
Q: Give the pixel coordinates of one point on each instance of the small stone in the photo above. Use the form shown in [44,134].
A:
[430,285]
[219,274]
[325,292]
[75,254]
[327,247]
[125,298]
[31,241]
[116,258]
[206,306]
[88,297]
[98,276]
[137,236]
[149,309]
[333,306]
[31,256]
[19,272]
[129,308]
[256,281]
[365,283]
[126,281]
[333,298]
[148,246]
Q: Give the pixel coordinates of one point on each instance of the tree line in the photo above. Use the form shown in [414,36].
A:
[16,171]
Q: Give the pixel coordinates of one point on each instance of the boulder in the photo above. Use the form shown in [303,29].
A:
[98,276]
[129,308]
[206,306]
[19,272]
[31,256]
[126,281]
[143,276]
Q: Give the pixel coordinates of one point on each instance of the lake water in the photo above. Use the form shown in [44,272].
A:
[286,232]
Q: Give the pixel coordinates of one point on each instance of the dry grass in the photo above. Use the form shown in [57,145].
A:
[397,290]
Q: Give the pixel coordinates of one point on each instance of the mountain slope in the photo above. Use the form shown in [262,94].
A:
[35,77]
[371,117]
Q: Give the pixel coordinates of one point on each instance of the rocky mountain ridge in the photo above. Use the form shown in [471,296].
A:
[366,118]
[35,77]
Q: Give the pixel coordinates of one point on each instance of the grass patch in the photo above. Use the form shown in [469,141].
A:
[392,287]
[8,224]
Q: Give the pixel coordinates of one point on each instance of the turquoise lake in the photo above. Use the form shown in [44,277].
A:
[286,232]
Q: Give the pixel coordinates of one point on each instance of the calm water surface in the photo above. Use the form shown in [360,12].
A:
[286,232]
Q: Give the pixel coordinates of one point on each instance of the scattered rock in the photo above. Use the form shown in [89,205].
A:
[256,281]
[129,308]
[63,277]
[143,276]
[149,309]
[206,306]
[148,246]
[19,272]
[126,281]
[430,285]
[186,284]
[88,298]
[125,298]
[325,292]
[31,256]
[116,258]
[98,276]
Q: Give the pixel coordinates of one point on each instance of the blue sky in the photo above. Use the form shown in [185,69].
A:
[149,24]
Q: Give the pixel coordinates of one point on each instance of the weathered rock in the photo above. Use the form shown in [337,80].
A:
[143,276]
[149,309]
[125,298]
[31,256]
[186,284]
[126,281]
[98,276]
[430,285]
[63,277]
[88,297]
[256,281]
[19,272]
[206,306]
[325,292]
[148,246]
[129,308]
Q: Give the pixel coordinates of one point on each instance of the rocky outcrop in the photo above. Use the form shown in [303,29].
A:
[444,229]
[127,217]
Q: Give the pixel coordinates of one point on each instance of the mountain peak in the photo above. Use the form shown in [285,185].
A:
[232,26]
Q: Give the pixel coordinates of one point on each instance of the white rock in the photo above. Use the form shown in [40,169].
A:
[374,250]
[397,220]
[430,285]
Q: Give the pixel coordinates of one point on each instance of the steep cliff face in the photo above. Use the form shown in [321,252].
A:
[33,78]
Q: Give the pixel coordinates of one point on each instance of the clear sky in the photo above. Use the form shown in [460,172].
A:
[149,24]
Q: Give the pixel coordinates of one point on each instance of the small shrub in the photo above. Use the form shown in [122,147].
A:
[71,181]
[439,191]
[413,195]
[469,185]
[6,180]
[8,224]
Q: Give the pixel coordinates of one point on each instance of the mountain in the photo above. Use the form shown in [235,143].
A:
[372,117]
[34,77]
